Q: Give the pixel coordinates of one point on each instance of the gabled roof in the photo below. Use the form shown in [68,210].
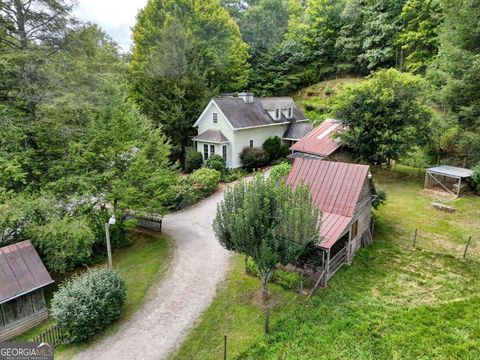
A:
[335,189]
[242,115]
[214,136]
[297,130]
[21,271]
[320,141]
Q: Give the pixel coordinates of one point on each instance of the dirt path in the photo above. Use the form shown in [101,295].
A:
[199,264]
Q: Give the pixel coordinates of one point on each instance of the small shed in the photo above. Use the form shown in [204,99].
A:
[22,279]
[447,178]
[344,193]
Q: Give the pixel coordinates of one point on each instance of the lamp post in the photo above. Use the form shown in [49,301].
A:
[111,221]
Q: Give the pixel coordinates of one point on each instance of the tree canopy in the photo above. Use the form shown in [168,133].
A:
[184,52]
[384,116]
[267,221]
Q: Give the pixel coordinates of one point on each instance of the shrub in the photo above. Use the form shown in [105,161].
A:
[193,161]
[274,149]
[286,279]
[252,158]
[183,194]
[88,303]
[216,162]
[476,178]
[280,172]
[63,243]
[206,180]
[236,174]
[379,199]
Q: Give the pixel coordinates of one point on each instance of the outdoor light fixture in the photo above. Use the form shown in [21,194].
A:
[111,221]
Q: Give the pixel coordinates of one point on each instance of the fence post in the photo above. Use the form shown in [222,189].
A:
[415,238]
[466,247]
[225,347]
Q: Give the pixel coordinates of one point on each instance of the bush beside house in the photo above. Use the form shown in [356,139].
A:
[86,304]
[274,149]
[252,158]
[193,161]
[218,163]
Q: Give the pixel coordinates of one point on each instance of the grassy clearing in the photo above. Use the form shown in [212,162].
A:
[394,302]
[316,100]
[140,264]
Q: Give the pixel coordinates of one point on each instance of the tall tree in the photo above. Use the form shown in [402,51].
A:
[418,40]
[456,69]
[385,116]
[269,222]
[184,52]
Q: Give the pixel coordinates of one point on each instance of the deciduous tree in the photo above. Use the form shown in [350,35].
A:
[267,221]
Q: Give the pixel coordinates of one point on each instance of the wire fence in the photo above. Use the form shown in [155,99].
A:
[459,246]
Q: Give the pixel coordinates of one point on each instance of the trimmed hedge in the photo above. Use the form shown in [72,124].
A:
[87,303]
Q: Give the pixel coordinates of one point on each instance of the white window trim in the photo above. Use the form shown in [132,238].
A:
[250,143]
[215,117]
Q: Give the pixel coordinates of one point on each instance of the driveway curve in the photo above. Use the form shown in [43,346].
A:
[179,298]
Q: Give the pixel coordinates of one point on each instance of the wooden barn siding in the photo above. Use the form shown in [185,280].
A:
[20,326]
[363,213]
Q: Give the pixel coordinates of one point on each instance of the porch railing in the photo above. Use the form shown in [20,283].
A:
[337,262]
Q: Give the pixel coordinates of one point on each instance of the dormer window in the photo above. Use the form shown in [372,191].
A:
[290,110]
[277,114]
[215,118]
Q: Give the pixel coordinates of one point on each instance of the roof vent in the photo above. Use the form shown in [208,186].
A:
[226,95]
[246,96]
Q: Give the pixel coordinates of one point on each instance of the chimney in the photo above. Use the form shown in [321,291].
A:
[246,96]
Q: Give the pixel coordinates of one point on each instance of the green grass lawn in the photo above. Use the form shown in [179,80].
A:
[393,302]
[140,264]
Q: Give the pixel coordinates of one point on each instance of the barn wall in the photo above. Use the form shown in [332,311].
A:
[363,213]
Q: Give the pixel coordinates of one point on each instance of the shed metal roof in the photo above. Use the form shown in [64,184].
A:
[451,171]
[335,189]
[320,141]
[21,271]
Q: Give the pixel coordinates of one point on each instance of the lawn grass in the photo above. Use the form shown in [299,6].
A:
[393,302]
[140,264]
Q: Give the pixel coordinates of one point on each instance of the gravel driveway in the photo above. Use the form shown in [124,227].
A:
[199,264]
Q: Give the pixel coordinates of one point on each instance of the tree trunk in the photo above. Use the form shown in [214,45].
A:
[264,278]
[20,17]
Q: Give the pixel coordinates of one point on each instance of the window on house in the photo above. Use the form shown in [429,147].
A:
[224,152]
[205,151]
[277,114]
[354,230]
[215,118]
[289,112]
[212,150]
[251,143]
